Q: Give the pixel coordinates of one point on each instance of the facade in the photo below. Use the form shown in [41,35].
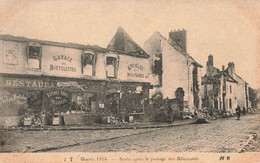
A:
[81,82]
[173,69]
[220,89]
[242,87]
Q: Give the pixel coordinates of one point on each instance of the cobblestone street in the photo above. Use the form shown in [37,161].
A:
[222,135]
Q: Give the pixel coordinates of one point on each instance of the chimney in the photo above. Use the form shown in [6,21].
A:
[209,65]
[223,67]
[179,37]
[210,60]
[231,68]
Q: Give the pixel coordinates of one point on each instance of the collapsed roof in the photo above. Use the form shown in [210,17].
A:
[122,42]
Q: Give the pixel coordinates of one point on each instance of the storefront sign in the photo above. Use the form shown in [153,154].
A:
[92,87]
[83,87]
[58,97]
[62,57]
[8,97]
[60,61]
[68,84]
[137,66]
[136,75]
[136,71]
[27,83]
[63,66]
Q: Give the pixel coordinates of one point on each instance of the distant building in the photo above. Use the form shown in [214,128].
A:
[173,68]
[220,89]
[242,87]
[80,82]
[253,97]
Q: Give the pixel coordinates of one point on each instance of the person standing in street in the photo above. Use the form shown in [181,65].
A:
[244,110]
[238,111]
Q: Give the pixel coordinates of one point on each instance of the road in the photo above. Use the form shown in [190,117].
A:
[222,135]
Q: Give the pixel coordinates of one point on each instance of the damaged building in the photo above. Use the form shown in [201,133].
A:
[173,70]
[219,89]
[224,90]
[242,87]
[56,83]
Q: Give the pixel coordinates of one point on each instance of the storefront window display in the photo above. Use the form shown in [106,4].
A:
[83,102]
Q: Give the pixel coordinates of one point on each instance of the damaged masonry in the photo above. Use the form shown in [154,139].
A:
[50,83]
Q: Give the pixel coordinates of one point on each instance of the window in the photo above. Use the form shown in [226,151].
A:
[230,89]
[227,89]
[111,67]
[157,67]
[85,102]
[230,103]
[88,63]
[226,104]
[34,56]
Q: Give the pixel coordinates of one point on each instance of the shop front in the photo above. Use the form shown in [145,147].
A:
[50,100]
[42,100]
[126,99]
[74,102]
[21,99]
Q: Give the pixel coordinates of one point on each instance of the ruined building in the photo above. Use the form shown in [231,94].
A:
[219,89]
[174,69]
[54,82]
[242,87]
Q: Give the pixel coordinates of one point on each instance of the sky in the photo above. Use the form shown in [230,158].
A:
[229,30]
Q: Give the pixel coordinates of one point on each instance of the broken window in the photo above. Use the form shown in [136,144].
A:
[34,56]
[230,103]
[111,67]
[88,63]
[157,67]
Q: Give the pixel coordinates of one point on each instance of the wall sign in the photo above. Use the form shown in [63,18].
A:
[136,71]
[11,52]
[62,57]
[137,66]
[58,97]
[8,97]
[136,75]
[27,83]
[83,87]
[62,67]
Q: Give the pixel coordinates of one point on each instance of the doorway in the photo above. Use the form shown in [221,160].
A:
[113,103]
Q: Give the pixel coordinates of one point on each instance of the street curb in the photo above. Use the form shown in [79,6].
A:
[95,128]
[83,143]
[249,141]
[95,141]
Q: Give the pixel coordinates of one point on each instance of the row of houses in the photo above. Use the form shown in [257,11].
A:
[85,83]
[224,90]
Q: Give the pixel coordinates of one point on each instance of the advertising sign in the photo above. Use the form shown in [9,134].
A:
[60,61]
[133,69]
[58,97]
[26,83]
[11,53]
